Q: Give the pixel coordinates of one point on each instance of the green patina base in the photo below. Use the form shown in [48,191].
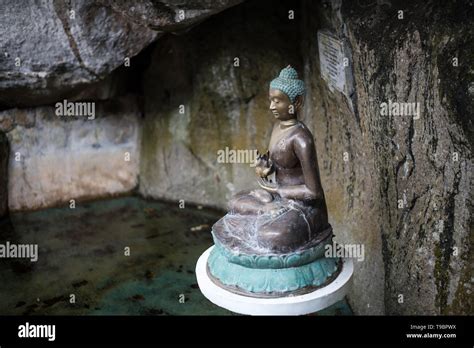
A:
[271,282]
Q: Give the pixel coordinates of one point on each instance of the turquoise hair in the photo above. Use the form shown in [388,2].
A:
[288,83]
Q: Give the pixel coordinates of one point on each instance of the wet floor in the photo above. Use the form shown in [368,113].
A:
[123,256]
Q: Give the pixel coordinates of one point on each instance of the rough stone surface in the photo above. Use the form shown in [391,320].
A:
[4,152]
[224,105]
[168,15]
[51,50]
[64,158]
[425,243]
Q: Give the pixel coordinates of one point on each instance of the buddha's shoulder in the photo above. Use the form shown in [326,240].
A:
[302,135]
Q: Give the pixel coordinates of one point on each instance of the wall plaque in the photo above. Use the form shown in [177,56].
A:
[335,63]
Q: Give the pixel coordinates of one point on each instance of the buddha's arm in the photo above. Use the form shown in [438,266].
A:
[305,150]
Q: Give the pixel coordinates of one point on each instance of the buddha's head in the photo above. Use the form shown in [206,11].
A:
[286,94]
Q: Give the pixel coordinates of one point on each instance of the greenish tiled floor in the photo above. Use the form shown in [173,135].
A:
[81,252]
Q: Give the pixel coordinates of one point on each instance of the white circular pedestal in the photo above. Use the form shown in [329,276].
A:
[291,305]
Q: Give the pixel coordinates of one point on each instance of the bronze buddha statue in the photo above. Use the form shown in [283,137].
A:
[272,242]
[288,213]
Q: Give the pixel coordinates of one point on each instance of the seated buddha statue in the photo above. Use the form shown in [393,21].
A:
[288,212]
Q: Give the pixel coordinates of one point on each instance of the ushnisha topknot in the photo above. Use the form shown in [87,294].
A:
[288,83]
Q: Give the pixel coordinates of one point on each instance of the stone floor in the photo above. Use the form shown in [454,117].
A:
[82,252]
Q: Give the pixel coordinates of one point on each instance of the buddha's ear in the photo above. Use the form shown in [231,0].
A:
[299,100]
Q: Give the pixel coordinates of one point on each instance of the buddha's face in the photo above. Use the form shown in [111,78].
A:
[280,105]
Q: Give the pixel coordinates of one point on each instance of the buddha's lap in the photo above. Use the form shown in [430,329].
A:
[253,202]
[287,231]
[250,202]
[279,225]
[280,233]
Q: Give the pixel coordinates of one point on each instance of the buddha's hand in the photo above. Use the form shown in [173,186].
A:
[263,165]
[267,185]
